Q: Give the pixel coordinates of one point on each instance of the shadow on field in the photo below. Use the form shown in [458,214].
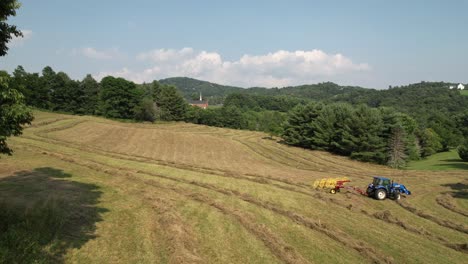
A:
[43,215]
[453,160]
[456,164]
[459,190]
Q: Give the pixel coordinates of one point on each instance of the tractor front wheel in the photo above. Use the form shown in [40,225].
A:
[380,194]
[396,196]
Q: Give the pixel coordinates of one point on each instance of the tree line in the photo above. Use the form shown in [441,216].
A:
[379,135]
[118,98]
[374,134]
[111,97]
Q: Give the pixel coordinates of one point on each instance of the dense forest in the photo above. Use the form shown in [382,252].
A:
[382,126]
[216,93]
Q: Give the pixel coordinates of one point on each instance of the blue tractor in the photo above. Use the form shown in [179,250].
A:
[382,188]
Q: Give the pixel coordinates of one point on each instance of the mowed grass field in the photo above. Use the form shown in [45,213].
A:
[449,160]
[464,92]
[90,190]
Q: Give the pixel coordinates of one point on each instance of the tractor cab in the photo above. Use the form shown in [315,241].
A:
[381,188]
[380,181]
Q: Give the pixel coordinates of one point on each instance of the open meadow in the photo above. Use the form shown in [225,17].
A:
[83,189]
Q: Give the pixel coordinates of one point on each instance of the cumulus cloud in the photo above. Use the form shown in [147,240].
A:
[18,41]
[93,53]
[276,69]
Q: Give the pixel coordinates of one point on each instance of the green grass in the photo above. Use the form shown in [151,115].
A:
[464,92]
[441,161]
[70,203]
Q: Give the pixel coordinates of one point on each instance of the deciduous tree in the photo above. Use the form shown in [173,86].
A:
[7,32]
[13,113]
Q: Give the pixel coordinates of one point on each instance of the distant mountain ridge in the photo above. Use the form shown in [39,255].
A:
[190,89]
[420,100]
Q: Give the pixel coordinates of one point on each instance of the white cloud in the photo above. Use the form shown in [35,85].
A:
[93,53]
[18,41]
[161,55]
[277,69]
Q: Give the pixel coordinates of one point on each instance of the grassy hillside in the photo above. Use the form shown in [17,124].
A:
[90,190]
[440,161]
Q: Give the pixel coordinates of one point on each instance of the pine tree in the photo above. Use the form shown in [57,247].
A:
[171,105]
[397,156]
[298,129]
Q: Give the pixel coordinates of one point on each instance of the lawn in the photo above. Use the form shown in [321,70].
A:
[464,92]
[441,161]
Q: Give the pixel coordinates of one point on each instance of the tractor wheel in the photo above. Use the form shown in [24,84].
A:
[332,191]
[396,196]
[380,194]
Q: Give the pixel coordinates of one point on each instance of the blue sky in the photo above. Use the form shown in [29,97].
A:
[247,43]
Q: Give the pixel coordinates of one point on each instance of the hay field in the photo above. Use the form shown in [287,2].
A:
[182,193]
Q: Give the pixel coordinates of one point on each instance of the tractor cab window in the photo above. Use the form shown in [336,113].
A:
[377,181]
[386,182]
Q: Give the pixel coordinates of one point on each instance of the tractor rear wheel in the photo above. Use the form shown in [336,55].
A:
[380,194]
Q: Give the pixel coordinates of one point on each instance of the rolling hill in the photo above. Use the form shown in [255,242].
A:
[191,88]
[89,190]
[415,99]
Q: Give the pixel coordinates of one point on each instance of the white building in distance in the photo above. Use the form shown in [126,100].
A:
[461,87]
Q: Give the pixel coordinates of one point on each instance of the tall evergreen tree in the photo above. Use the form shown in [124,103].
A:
[171,104]
[298,130]
[396,148]
[365,136]
[323,127]
[340,142]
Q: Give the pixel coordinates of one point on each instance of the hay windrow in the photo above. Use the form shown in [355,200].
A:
[447,201]
[444,223]
[318,225]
